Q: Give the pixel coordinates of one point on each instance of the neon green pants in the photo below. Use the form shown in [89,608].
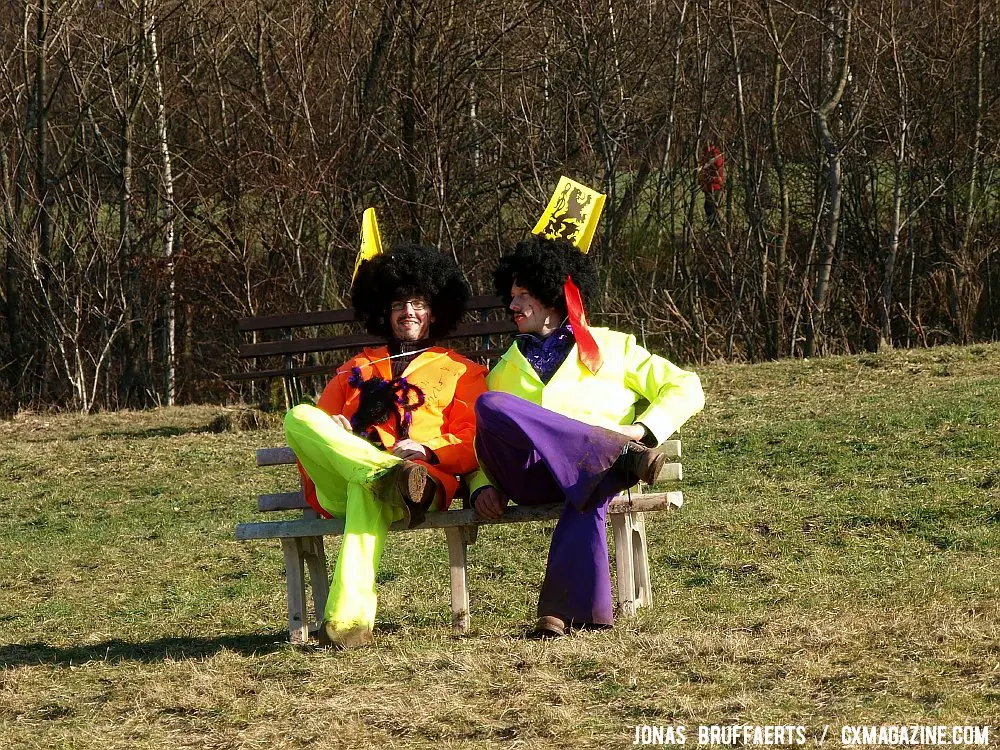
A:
[344,469]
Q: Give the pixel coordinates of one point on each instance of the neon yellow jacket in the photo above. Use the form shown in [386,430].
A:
[630,375]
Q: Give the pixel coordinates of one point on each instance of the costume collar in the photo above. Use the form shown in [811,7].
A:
[378,359]
[515,357]
[405,353]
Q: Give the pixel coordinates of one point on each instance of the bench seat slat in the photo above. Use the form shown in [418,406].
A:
[282,501]
[452,518]
[284,455]
[275,456]
[296,501]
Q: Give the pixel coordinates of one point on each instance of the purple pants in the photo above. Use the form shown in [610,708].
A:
[537,456]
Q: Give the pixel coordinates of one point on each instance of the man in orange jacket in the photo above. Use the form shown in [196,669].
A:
[712,177]
[393,427]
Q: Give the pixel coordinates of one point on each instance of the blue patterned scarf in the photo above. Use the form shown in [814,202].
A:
[547,354]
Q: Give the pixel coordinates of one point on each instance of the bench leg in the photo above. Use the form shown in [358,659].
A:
[315,557]
[631,562]
[470,534]
[640,561]
[298,623]
[457,557]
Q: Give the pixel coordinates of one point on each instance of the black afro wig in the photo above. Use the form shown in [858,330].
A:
[541,266]
[409,271]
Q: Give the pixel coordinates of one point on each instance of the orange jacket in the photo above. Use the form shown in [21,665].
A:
[445,423]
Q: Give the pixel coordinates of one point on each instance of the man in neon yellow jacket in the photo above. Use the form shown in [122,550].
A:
[562,419]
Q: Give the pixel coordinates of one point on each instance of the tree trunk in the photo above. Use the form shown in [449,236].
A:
[966,285]
[892,251]
[895,215]
[41,135]
[11,288]
[408,132]
[756,239]
[834,193]
[133,382]
[784,202]
[168,219]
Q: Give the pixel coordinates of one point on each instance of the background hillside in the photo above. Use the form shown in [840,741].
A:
[168,167]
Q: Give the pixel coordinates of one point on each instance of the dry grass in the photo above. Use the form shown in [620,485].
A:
[836,562]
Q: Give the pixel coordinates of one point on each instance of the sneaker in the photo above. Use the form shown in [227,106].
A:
[639,463]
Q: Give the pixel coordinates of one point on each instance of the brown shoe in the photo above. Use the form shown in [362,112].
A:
[639,463]
[418,489]
[399,485]
[413,482]
[548,626]
[329,637]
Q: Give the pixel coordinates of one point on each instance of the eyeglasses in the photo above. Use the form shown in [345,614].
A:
[419,305]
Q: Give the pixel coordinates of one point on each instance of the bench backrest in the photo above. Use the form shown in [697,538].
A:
[299,337]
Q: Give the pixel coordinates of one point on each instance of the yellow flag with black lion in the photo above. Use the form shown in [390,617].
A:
[573,214]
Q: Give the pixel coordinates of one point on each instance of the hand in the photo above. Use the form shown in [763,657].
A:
[632,431]
[409,449]
[342,421]
[490,503]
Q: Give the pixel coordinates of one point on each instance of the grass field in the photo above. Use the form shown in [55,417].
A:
[837,562]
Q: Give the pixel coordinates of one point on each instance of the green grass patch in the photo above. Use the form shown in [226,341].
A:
[835,562]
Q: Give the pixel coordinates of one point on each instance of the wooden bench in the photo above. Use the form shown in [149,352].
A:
[302,543]
[299,338]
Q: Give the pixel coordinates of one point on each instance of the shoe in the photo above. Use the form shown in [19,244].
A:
[639,463]
[404,486]
[330,637]
[411,481]
[548,626]
[418,490]
[414,483]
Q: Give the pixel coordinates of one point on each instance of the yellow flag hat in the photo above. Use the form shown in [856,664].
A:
[371,240]
[573,213]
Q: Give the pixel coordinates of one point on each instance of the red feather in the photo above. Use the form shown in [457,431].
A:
[586,346]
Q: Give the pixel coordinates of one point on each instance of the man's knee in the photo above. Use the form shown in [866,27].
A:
[304,421]
[299,415]
[491,404]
